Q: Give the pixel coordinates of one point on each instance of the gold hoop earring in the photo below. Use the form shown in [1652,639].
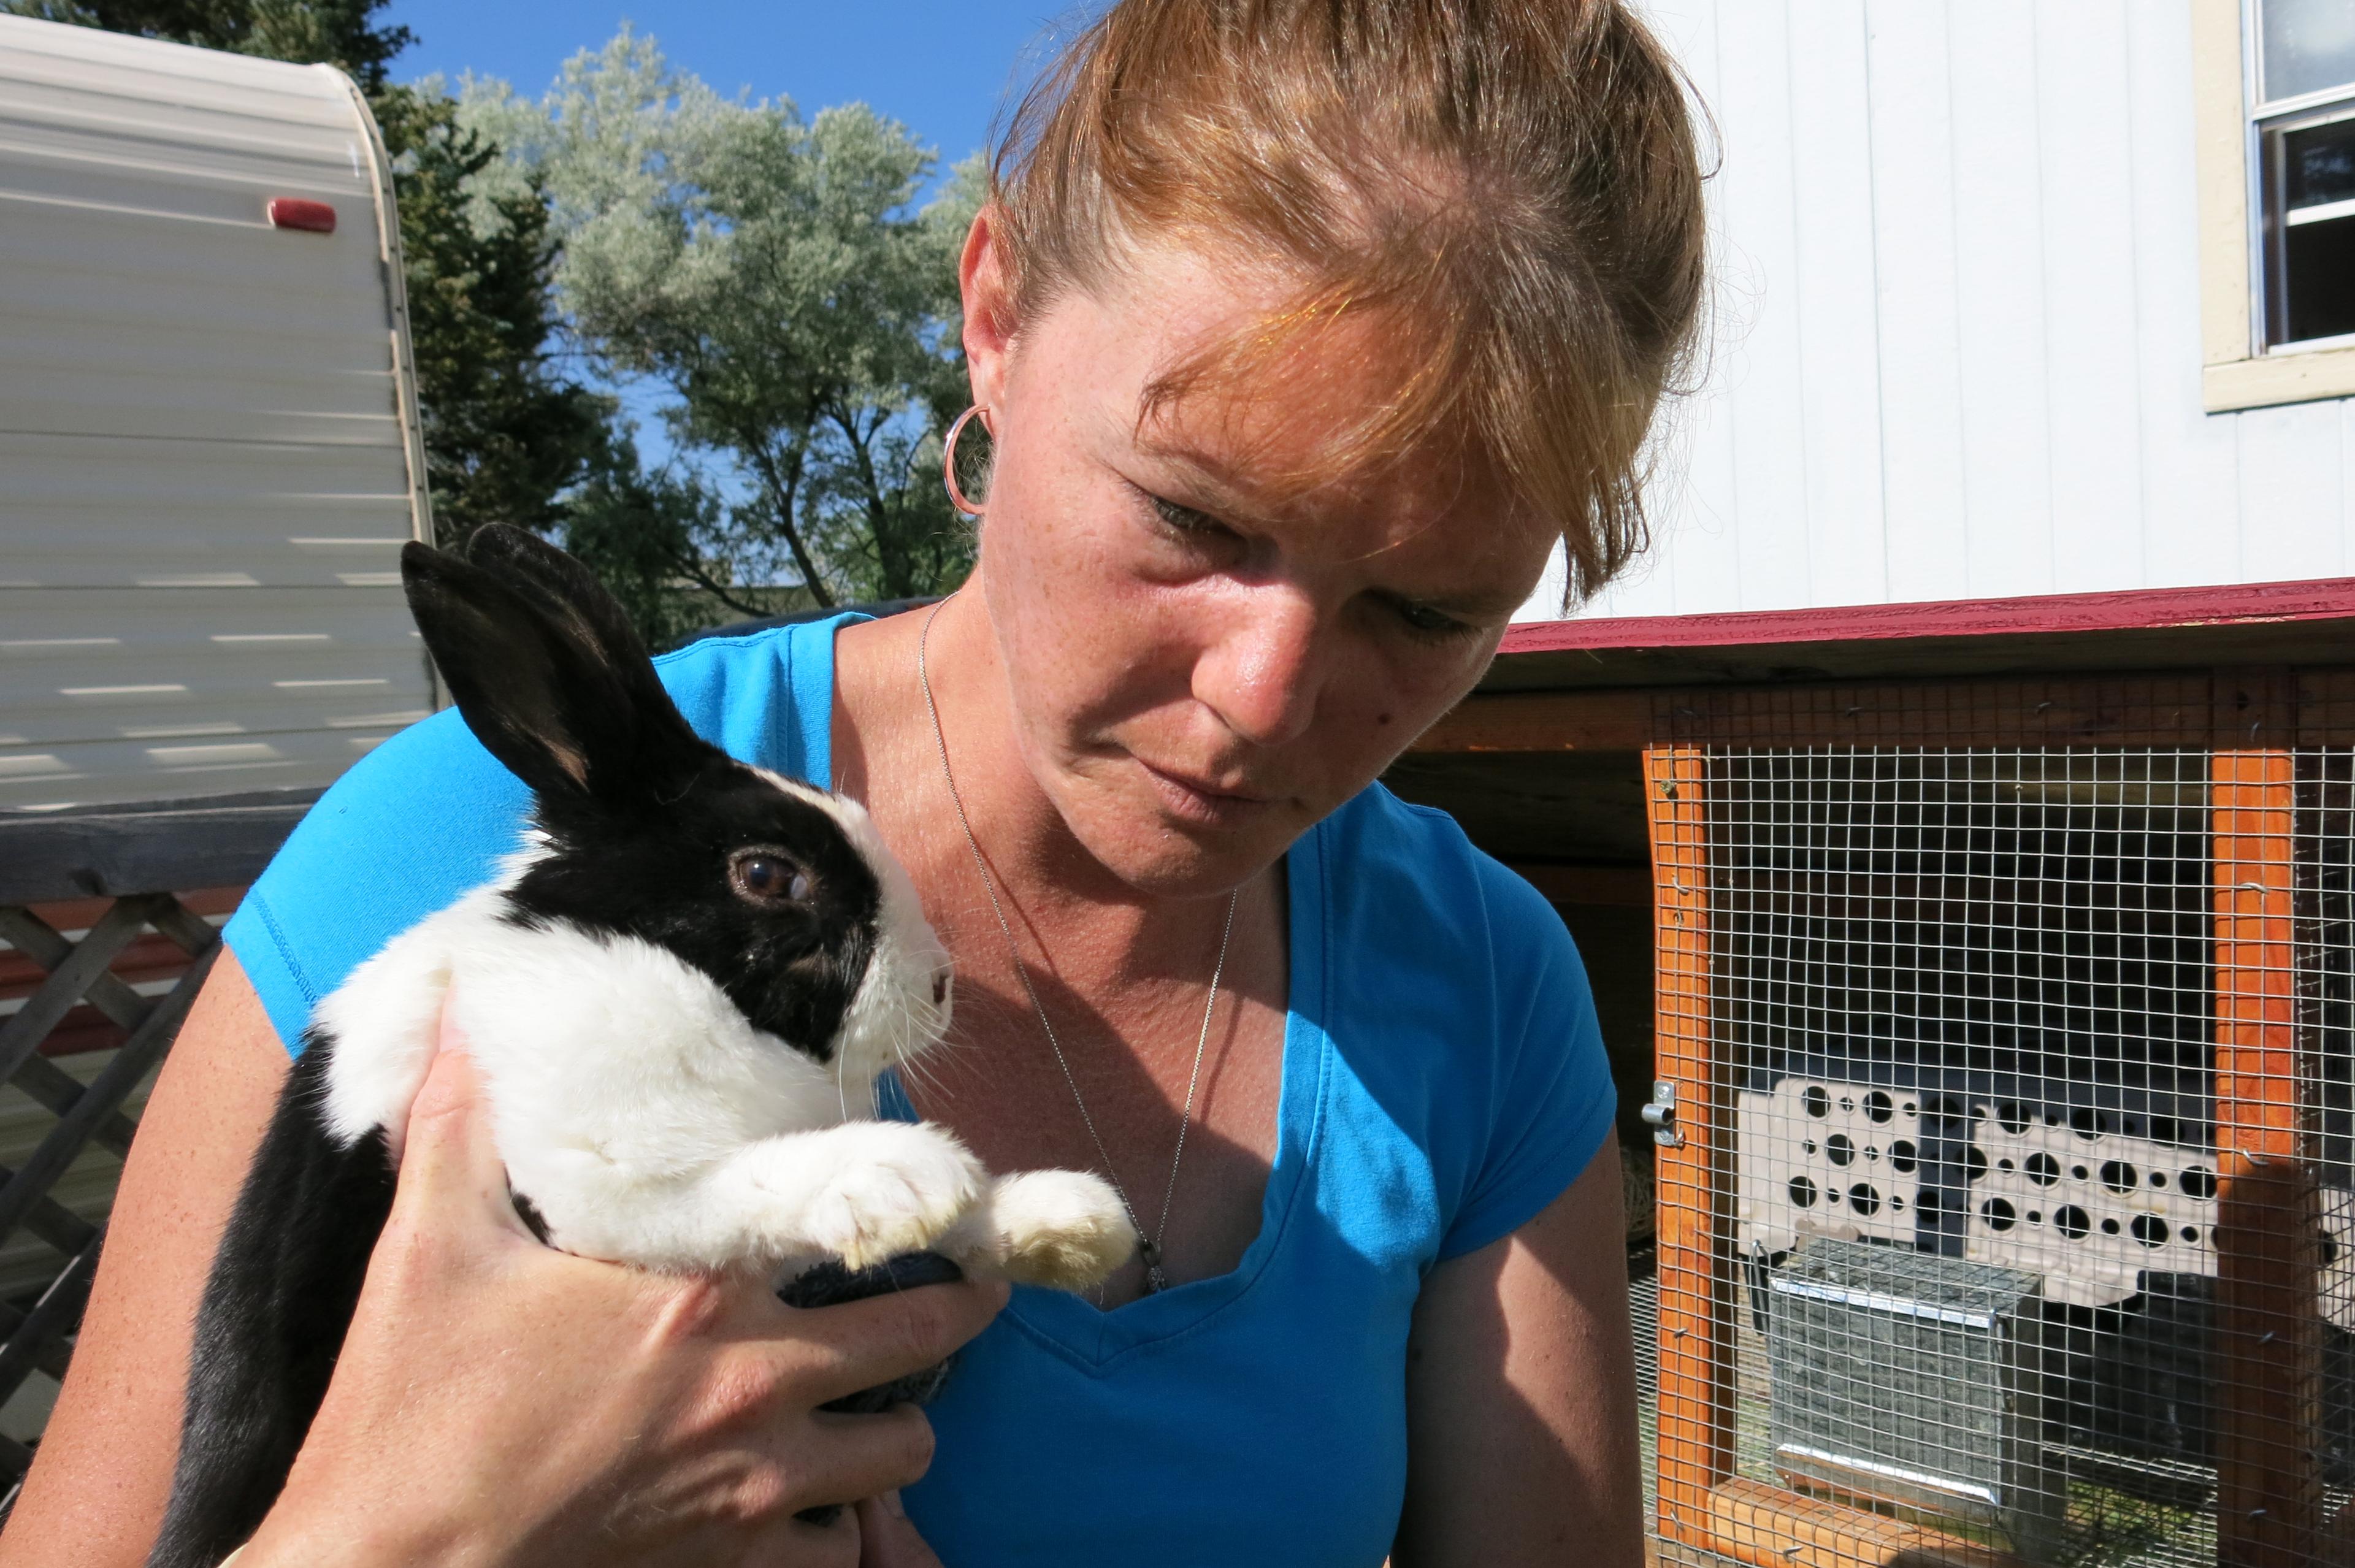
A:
[948,461]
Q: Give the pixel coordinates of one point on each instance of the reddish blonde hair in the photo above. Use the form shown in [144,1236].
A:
[1513,185]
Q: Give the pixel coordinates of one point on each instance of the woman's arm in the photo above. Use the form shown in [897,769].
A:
[1521,1439]
[496,1403]
[96,1496]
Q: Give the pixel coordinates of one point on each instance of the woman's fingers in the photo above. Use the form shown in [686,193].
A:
[867,1455]
[838,1350]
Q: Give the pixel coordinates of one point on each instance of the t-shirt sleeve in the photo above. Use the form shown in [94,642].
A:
[1551,1097]
[418,821]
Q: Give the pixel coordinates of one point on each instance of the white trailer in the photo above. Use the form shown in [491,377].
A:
[209,455]
[210,460]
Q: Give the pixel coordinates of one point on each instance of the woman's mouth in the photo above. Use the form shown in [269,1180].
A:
[1201,802]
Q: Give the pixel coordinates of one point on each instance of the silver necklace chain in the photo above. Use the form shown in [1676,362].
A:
[1148,1247]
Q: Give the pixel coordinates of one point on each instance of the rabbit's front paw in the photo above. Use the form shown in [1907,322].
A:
[1062,1229]
[897,1188]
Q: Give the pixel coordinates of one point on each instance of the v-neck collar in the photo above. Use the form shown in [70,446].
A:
[1099,1339]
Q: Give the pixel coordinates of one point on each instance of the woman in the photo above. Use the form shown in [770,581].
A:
[1304,332]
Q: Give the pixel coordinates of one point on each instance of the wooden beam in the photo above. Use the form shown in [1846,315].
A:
[2166,709]
[1695,1174]
[1768,1526]
[2268,1344]
[144,848]
[1543,721]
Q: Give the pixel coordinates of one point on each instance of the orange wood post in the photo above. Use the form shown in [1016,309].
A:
[1694,1174]
[2268,1344]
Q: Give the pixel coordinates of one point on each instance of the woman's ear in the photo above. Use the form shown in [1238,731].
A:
[987,285]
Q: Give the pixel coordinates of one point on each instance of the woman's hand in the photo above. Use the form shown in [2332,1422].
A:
[498,1402]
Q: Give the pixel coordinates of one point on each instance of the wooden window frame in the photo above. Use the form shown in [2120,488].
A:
[2237,373]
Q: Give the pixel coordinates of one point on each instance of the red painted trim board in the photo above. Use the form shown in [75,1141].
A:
[2141,609]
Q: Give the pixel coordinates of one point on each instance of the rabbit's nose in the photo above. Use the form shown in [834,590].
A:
[940,987]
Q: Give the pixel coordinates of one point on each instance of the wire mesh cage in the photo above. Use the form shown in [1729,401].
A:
[2007,1210]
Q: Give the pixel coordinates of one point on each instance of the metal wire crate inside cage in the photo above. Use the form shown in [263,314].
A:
[2005,1082]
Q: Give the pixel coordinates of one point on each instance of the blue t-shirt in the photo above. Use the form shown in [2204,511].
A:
[1444,1080]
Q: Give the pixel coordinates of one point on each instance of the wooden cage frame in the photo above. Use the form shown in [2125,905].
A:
[2250,675]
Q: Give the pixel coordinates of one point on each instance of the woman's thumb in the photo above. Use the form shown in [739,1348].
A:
[448,1155]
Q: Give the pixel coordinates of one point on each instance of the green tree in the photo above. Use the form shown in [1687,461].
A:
[658,539]
[777,278]
[505,436]
[342,33]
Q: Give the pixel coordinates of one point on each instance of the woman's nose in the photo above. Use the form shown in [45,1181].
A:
[1261,676]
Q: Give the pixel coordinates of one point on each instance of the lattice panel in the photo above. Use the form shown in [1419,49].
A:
[97,989]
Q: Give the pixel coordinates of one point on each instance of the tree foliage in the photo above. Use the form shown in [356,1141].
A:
[776,276]
[342,33]
[506,437]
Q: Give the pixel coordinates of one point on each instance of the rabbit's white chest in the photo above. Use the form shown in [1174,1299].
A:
[617,1072]
[649,1123]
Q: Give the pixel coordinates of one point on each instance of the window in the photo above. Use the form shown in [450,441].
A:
[2302,99]
[2274,84]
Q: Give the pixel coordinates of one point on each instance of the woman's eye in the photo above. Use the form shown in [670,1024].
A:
[1425,621]
[769,879]
[1186,519]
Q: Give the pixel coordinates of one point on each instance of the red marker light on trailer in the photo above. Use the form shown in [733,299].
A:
[293,212]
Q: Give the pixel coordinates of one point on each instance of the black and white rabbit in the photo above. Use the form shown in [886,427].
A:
[674,991]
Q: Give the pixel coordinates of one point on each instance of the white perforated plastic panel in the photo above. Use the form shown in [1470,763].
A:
[2090,1210]
[1823,1159]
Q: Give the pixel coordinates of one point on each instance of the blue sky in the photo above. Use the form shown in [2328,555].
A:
[940,66]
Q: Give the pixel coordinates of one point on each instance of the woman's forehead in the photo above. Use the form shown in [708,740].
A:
[1268,449]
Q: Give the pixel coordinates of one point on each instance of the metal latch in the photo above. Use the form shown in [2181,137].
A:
[1661,1115]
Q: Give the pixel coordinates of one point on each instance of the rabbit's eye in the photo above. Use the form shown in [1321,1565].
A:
[768,878]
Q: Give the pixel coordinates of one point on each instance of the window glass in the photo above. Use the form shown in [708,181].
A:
[2314,249]
[2309,46]
[2318,169]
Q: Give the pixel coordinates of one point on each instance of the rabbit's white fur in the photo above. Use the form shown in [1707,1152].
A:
[648,1122]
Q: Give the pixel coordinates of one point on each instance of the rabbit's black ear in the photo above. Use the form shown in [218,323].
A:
[562,587]
[540,680]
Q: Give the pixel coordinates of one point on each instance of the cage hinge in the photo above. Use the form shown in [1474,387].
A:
[1661,1115]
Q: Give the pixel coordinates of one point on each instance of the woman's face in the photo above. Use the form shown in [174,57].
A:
[1199,667]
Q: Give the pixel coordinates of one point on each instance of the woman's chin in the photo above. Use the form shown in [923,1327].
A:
[1172,859]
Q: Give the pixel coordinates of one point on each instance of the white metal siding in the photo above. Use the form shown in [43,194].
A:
[205,478]
[1957,350]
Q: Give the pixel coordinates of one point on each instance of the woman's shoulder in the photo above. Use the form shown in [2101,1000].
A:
[1457,1000]
[1413,877]
[764,696]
